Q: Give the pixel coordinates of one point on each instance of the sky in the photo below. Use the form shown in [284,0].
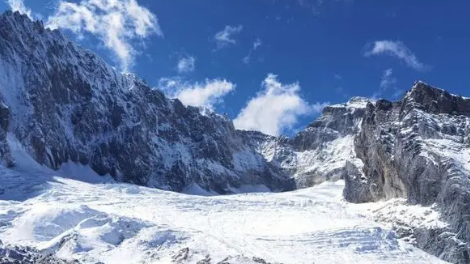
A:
[271,65]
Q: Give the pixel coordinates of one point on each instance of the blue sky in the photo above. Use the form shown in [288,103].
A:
[272,64]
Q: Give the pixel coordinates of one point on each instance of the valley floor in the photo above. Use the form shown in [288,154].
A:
[110,222]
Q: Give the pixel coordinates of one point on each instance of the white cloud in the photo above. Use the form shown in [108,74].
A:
[275,108]
[206,94]
[317,5]
[116,23]
[225,37]
[186,64]
[388,82]
[256,45]
[399,50]
[387,79]
[247,58]
[18,5]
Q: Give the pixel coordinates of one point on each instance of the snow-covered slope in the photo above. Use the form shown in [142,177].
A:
[114,223]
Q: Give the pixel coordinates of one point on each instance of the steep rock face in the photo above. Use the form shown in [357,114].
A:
[63,103]
[320,152]
[418,148]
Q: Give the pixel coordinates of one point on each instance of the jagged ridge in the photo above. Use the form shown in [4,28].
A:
[62,103]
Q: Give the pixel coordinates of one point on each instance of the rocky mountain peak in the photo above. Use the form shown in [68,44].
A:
[18,25]
[358,102]
[434,100]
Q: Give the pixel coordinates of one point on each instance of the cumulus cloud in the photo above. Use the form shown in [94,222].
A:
[186,64]
[116,23]
[18,5]
[225,37]
[399,50]
[207,94]
[275,108]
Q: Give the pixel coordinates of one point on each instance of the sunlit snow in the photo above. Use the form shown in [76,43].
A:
[94,219]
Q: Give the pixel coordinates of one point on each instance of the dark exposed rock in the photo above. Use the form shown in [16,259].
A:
[435,101]
[186,255]
[26,255]
[181,256]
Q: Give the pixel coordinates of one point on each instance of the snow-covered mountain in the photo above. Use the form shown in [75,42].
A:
[419,149]
[321,151]
[62,103]
[64,111]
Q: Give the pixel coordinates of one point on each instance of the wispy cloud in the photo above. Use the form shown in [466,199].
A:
[18,5]
[387,83]
[225,37]
[340,90]
[387,79]
[186,64]
[116,23]
[317,5]
[276,108]
[207,94]
[257,44]
[396,49]
[247,59]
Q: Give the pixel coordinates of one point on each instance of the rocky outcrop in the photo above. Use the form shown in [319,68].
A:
[418,149]
[186,255]
[64,104]
[27,255]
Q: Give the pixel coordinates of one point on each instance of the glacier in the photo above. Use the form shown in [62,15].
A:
[89,158]
[85,217]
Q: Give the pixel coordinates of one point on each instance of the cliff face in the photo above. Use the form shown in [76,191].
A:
[62,103]
[418,148]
